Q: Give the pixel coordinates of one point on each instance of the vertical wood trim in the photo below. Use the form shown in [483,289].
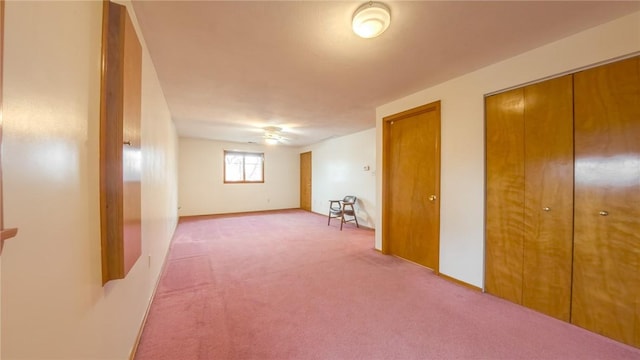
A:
[386,128]
[1,113]
[637,317]
[437,176]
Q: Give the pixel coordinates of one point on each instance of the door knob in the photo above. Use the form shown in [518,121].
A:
[603,213]
[546,209]
[432,198]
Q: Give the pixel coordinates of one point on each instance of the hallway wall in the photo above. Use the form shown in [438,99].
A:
[53,301]
[338,169]
[202,190]
[462,174]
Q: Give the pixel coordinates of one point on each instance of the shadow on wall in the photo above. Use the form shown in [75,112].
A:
[363,216]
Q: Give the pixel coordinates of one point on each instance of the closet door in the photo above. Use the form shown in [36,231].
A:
[505,194]
[548,196]
[606,275]
[530,196]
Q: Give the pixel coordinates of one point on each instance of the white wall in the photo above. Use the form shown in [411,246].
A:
[159,172]
[338,170]
[53,303]
[462,175]
[201,189]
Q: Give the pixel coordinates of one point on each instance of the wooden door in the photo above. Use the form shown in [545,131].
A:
[548,197]
[505,194]
[529,166]
[305,181]
[606,274]
[411,163]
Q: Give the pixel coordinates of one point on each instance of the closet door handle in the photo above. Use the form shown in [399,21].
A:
[603,213]
[546,209]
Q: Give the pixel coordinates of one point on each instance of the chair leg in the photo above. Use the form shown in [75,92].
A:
[356,218]
[329,221]
[342,221]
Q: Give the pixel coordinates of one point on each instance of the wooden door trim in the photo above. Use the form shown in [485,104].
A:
[386,176]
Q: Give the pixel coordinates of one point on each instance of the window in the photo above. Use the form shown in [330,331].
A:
[243,167]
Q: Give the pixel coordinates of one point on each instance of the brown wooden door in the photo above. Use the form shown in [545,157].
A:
[505,194]
[305,181]
[548,197]
[529,164]
[606,275]
[412,185]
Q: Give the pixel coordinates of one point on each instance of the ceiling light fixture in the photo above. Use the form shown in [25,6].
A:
[272,135]
[371,19]
[271,141]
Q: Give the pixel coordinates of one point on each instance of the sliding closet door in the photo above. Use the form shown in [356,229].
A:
[505,194]
[548,200]
[606,276]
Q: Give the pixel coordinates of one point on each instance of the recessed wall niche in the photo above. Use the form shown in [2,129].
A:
[120,157]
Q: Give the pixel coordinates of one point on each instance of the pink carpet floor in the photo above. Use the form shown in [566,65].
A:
[284,285]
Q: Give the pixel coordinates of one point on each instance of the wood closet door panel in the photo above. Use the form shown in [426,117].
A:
[505,194]
[606,280]
[548,205]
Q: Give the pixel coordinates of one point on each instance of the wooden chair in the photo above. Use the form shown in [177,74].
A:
[340,208]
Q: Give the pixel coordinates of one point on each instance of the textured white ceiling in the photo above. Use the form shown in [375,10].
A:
[230,68]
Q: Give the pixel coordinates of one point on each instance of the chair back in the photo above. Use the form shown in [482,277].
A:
[349,199]
[340,208]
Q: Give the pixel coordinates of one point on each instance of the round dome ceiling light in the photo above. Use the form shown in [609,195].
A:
[371,20]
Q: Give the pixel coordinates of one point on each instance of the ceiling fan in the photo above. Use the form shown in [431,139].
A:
[273,135]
